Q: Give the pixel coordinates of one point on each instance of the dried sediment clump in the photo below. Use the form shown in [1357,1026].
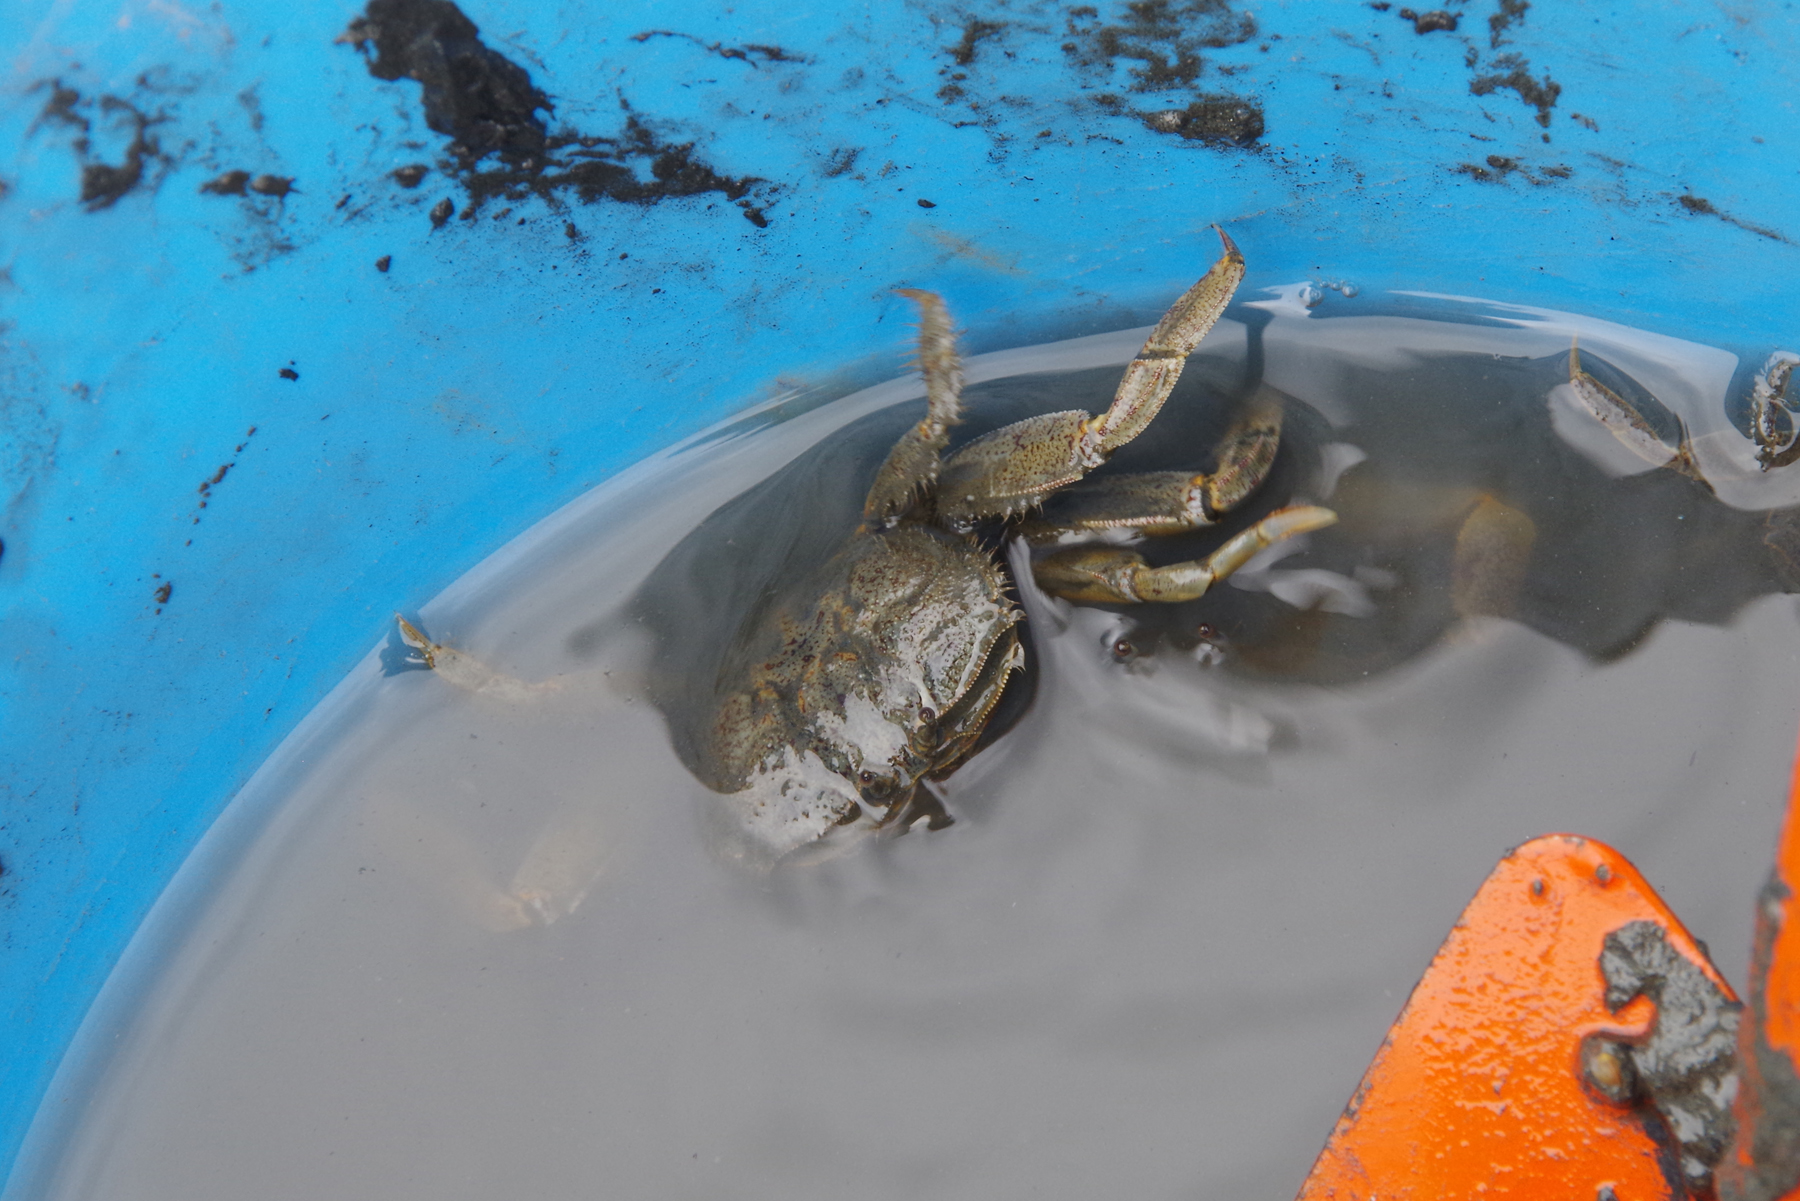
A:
[494,115]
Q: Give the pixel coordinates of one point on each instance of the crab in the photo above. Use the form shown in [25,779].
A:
[846,711]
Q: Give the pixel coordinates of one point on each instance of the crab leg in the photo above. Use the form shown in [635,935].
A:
[1014,468]
[463,670]
[911,467]
[1152,375]
[1113,575]
[1170,502]
[1622,420]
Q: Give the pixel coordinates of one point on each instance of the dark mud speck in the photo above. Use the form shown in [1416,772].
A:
[384,262]
[441,212]
[1431,21]
[411,175]
[277,186]
[231,183]
[926,204]
[1220,119]
[289,373]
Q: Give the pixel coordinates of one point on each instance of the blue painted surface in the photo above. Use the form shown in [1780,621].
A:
[499,369]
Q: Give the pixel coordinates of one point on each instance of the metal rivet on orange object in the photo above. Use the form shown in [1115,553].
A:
[1764,1163]
[1547,981]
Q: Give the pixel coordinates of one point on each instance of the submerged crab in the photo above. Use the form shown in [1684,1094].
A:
[844,708]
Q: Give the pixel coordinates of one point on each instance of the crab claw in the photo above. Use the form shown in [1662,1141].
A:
[1114,575]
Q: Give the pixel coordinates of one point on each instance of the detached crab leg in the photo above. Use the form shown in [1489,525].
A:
[1014,468]
[1622,420]
[1115,576]
[912,466]
[463,670]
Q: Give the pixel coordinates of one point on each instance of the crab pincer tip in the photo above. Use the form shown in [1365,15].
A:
[1230,246]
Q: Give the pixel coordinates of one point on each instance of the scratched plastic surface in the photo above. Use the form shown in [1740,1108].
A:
[1180,904]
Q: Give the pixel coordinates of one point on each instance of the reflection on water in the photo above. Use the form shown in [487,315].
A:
[483,943]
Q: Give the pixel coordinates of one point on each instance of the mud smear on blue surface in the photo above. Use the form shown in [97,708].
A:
[750,52]
[205,490]
[1159,45]
[1508,14]
[974,33]
[1147,48]
[500,144]
[1699,206]
[262,202]
[1514,74]
[1160,41]
[108,118]
[1498,167]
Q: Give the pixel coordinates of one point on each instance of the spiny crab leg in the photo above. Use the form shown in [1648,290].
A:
[1014,468]
[1116,576]
[465,671]
[911,467]
[1621,419]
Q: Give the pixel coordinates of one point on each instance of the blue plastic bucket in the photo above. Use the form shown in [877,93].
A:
[264,382]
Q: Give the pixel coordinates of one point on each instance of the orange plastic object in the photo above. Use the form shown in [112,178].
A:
[1764,1163]
[1479,1089]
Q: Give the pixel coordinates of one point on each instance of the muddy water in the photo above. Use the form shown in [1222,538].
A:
[454,945]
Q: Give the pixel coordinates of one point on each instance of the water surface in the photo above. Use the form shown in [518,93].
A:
[462,946]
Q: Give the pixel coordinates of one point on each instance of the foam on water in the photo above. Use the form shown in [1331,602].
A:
[462,946]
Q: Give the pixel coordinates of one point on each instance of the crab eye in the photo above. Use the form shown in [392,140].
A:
[927,713]
[1208,631]
[1123,650]
[874,787]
